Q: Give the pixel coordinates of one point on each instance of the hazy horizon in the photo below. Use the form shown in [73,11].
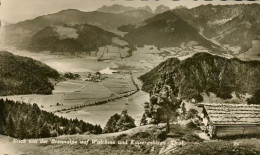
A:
[14,11]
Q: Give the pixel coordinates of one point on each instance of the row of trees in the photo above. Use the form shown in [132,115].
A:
[23,120]
[72,76]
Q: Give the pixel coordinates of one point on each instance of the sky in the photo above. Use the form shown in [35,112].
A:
[13,11]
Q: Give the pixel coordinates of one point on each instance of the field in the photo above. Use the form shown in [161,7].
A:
[72,93]
[101,113]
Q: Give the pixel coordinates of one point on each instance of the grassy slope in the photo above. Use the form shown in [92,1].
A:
[145,133]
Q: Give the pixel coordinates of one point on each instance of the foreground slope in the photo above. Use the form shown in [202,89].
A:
[21,75]
[204,72]
[174,145]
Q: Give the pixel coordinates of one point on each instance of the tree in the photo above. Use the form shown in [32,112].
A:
[119,123]
[72,130]
[125,122]
[44,132]
[2,115]
[97,129]
[111,124]
[255,99]
[38,128]
[10,127]
[144,120]
[169,104]
[20,130]
[163,106]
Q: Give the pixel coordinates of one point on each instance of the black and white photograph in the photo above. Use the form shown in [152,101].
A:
[129,77]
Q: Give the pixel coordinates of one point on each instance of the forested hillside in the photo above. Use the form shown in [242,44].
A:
[70,39]
[166,30]
[22,75]
[204,72]
[23,120]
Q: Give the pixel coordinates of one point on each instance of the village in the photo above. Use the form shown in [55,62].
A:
[94,77]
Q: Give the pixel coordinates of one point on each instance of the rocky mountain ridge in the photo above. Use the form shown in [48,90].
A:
[204,72]
[234,26]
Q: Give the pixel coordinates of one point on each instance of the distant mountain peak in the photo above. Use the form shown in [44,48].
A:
[116,8]
[181,7]
[161,9]
[69,11]
[146,8]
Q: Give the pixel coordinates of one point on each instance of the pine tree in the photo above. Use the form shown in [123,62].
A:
[97,129]
[2,115]
[10,127]
[38,128]
[20,130]
[44,132]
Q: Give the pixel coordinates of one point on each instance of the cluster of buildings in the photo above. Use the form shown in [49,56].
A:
[94,77]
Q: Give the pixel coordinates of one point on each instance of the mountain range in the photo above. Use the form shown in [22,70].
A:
[116,8]
[20,33]
[204,72]
[231,25]
[220,29]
